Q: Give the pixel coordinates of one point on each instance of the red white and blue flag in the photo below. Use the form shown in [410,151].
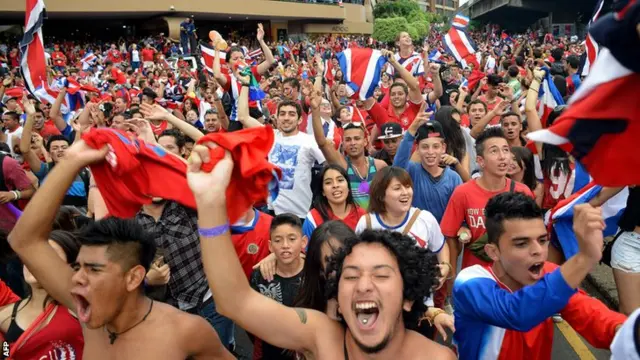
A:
[458,43]
[590,42]
[600,127]
[460,21]
[33,63]
[208,55]
[560,218]
[88,60]
[361,69]
[328,74]
[254,53]
[548,97]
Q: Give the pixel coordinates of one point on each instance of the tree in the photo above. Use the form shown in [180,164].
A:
[393,17]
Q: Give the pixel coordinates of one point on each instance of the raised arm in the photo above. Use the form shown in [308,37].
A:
[55,113]
[482,124]
[217,74]
[328,149]
[157,112]
[31,233]
[533,119]
[288,328]
[269,60]
[243,104]
[25,141]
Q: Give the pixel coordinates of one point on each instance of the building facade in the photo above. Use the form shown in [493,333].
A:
[282,19]
[444,7]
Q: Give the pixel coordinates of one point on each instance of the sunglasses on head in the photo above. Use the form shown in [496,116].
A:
[353,125]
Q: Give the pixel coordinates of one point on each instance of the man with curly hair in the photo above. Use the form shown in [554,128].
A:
[380,281]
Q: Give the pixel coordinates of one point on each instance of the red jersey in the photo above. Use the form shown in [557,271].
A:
[147,54]
[58,58]
[48,130]
[467,204]
[381,115]
[6,295]
[558,186]
[118,76]
[158,129]
[252,241]
[490,107]
[114,56]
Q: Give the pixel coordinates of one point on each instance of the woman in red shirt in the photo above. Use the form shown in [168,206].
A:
[333,200]
[38,326]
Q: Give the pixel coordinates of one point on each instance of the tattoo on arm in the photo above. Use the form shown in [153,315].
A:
[302,314]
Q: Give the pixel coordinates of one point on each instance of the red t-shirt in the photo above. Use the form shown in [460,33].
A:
[6,295]
[119,76]
[48,130]
[147,54]
[490,107]
[252,241]
[467,204]
[381,115]
[14,60]
[158,129]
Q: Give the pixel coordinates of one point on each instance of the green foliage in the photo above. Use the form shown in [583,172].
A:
[386,30]
[393,17]
[397,8]
[475,25]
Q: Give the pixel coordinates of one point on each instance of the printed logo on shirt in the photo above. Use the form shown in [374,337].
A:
[252,249]
[273,291]
[476,218]
[286,157]
[421,243]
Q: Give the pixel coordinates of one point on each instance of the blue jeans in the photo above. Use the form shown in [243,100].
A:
[224,326]
[135,65]
[184,42]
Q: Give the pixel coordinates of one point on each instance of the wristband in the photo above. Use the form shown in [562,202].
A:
[214,231]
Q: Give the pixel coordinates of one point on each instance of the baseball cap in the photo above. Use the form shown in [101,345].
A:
[390,130]
[428,130]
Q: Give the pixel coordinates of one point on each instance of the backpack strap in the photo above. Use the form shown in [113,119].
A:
[512,186]
[413,219]
[367,217]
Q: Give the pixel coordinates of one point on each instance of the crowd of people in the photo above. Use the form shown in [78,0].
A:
[412,215]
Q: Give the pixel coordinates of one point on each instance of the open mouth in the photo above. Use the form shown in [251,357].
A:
[503,166]
[367,314]
[336,194]
[536,270]
[83,308]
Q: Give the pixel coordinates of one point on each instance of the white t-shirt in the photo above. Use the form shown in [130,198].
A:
[135,56]
[295,156]
[425,230]
[10,136]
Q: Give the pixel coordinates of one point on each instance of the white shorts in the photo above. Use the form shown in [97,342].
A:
[625,253]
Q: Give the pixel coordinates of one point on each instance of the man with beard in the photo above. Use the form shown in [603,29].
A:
[376,296]
[504,309]
[104,288]
[360,168]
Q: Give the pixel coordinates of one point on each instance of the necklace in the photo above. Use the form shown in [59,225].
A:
[364,185]
[113,335]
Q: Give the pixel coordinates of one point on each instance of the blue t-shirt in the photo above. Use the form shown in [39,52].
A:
[428,193]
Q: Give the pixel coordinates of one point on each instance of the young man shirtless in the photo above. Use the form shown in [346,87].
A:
[373,291]
[105,287]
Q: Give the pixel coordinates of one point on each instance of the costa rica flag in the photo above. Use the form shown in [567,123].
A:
[600,127]
[208,55]
[361,69]
[33,63]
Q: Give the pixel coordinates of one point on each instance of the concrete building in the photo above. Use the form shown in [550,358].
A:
[445,7]
[281,19]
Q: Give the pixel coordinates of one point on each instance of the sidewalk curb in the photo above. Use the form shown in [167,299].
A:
[603,292]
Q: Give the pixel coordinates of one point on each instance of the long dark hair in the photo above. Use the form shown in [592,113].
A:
[524,157]
[320,201]
[452,131]
[553,156]
[311,294]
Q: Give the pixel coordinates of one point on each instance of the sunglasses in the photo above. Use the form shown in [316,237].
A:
[353,125]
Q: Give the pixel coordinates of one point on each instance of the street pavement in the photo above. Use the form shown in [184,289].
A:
[567,344]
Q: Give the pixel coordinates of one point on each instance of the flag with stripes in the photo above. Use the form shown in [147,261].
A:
[548,97]
[601,125]
[458,43]
[361,69]
[33,62]
[560,219]
[208,55]
[590,43]
[460,21]
[88,60]
[328,74]
[254,53]
[435,56]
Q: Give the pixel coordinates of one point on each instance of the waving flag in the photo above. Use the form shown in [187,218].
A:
[590,43]
[560,218]
[601,126]
[548,97]
[460,21]
[33,63]
[361,69]
[88,60]
[435,56]
[328,74]
[254,53]
[461,47]
[208,55]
